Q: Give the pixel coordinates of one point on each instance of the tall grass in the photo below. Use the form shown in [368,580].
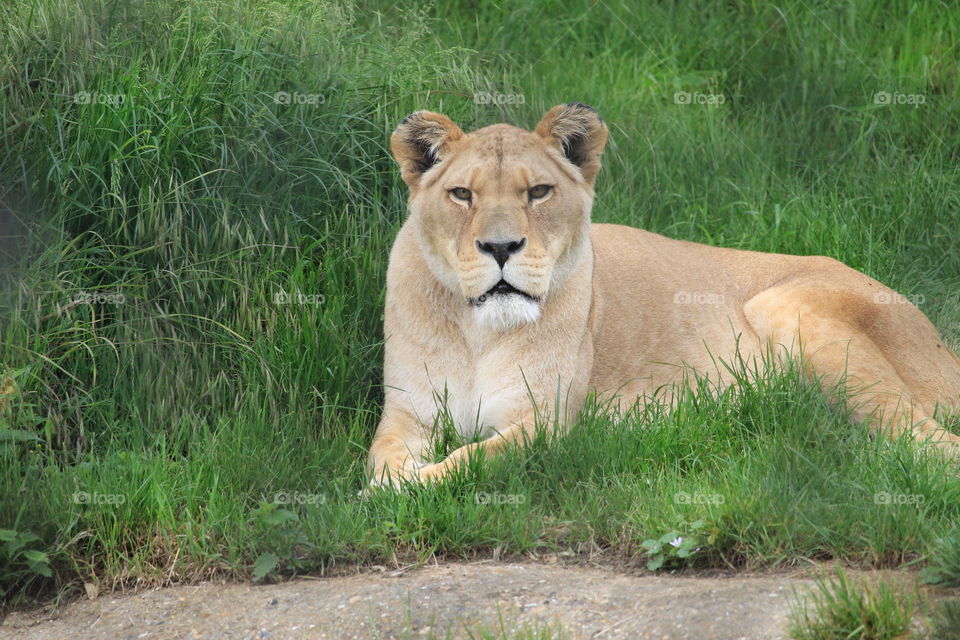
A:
[200,201]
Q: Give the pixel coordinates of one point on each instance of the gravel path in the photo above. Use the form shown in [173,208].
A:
[435,602]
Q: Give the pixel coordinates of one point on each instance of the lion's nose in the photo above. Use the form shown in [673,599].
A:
[501,251]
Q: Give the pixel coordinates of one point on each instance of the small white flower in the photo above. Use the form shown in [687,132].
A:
[676,542]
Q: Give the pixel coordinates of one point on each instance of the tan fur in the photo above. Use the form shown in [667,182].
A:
[612,309]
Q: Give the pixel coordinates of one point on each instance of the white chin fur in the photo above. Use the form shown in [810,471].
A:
[506,312]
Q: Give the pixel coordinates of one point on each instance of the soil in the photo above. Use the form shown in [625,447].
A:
[440,601]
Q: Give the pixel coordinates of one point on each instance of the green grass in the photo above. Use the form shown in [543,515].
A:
[946,621]
[838,609]
[162,396]
[944,568]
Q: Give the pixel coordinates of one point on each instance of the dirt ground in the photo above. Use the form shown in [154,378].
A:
[450,600]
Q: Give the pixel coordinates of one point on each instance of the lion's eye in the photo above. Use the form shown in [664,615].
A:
[461,193]
[539,191]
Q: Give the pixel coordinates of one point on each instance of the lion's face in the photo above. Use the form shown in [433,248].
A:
[502,214]
[501,222]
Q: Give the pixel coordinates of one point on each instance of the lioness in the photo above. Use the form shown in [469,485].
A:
[504,301]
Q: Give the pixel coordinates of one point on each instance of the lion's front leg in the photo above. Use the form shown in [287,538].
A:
[396,453]
[518,431]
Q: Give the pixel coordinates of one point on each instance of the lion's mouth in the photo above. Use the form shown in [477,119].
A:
[502,288]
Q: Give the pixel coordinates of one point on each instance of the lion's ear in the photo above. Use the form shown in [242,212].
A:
[421,141]
[579,133]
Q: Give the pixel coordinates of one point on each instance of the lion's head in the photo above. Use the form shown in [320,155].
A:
[502,214]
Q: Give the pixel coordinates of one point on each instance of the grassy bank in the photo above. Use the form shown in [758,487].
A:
[197,202]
